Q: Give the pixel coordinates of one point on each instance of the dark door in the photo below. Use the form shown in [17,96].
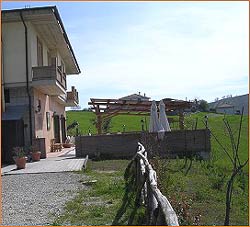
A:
[63,129]
[12,136]
[57,129]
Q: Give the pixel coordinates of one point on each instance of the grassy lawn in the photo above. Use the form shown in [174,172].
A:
[197,195]
[99,202]
[215,122]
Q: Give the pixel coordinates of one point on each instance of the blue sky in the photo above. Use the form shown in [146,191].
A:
[164,49]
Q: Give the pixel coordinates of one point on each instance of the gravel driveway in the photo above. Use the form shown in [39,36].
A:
[35,199]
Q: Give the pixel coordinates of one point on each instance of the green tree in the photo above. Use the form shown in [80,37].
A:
[203,105]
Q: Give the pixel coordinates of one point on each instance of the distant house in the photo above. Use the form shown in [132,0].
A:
[136,97]
[225,109]
[231,105]
[36,59]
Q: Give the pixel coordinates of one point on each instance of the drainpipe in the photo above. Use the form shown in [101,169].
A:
[27,76]
[3,80]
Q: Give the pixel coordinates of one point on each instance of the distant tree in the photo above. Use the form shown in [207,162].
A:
[216,99]
[203,105]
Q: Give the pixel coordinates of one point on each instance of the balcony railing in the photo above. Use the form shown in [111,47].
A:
[72,96]
[50,73]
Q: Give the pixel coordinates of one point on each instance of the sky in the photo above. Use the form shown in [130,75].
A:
[180,50]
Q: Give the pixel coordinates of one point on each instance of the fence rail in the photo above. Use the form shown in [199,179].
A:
[159,208]
[147,194]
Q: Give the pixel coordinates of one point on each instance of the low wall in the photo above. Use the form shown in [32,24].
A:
[175,143]
[107,146]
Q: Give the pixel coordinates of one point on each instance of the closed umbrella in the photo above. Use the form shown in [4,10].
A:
[154,124]
[163,117]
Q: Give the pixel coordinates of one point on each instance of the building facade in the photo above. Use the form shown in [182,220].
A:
[36,59]
[136,97]
[231,105]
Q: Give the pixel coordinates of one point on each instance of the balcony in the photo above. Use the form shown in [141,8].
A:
[49,79]
[72,97]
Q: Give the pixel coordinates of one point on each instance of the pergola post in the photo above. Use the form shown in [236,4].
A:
[99,124]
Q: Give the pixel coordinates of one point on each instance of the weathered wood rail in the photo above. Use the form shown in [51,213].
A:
[141,190]
[160,211]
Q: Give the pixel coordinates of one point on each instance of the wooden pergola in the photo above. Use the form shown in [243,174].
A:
[107,108]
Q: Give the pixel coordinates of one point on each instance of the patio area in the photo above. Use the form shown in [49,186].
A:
[64,161]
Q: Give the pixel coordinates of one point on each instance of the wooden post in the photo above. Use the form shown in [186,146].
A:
[181,119]
[99,124]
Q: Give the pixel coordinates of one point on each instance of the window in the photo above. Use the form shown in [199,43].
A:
[7,95]
[39,53]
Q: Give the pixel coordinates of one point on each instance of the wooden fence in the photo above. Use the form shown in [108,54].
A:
[159,209]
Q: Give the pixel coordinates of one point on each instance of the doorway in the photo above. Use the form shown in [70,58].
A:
[57,129]
[63,128]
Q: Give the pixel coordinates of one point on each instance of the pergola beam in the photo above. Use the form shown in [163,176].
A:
[107,108]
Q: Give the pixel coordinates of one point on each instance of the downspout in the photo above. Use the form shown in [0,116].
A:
[3,80]
[27,76]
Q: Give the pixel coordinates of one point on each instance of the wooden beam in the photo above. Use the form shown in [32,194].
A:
[107,108]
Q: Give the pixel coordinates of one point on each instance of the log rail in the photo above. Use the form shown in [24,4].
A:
[160,211]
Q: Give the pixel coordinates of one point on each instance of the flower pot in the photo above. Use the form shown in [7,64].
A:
[20,162]
[36,156]
[67,145]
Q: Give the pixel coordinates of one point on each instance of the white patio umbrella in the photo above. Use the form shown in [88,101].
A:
[163,117]
[154,124]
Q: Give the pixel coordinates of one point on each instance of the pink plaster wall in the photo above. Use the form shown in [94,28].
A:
[48,104]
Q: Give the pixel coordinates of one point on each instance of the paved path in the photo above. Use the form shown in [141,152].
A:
[56,162]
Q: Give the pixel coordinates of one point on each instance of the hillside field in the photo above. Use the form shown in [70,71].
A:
[196,190]
[133,123]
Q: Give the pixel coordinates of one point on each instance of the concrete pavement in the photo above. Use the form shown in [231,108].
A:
[64,161]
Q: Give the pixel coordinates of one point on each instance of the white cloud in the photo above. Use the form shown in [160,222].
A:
[186,52]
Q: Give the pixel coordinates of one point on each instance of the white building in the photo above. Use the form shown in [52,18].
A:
[36,59]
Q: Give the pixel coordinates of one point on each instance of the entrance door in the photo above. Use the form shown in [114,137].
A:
[57,129]
[63,129]
[12,136]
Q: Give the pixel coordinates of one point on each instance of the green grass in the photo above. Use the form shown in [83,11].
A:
[97,204]
[215,122]
[217,127]
[131,122]
[200,193]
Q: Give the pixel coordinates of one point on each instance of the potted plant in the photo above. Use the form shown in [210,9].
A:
[67,143]
[19,157]
[35,153]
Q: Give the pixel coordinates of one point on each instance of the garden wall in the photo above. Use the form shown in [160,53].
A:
[175,143]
